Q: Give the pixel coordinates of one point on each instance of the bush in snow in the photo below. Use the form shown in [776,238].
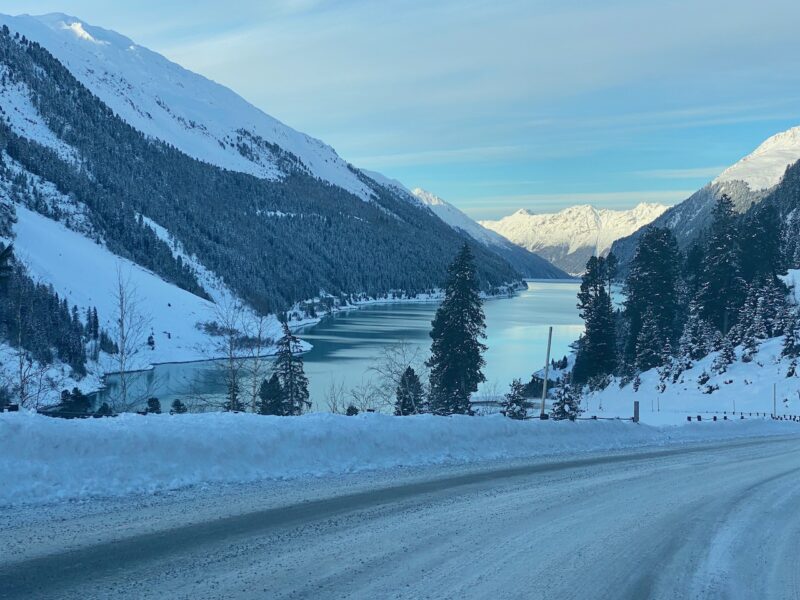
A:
[178,408]
[103,411]
[153,406]
[703,378]
[515,406]
[352,411]
[566,404]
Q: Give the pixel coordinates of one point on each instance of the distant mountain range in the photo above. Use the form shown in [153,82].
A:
[525,261]
[747,182]
[569,237]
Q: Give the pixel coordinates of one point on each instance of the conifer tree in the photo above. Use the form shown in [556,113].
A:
[233,401]
[697,338]
[456,351]
[291,374]
[409,396]
[649,345]
[270,401]
[791,334]
[566,404]
[515,406]
[725,358]
[651,289]
[597,347]
[760,243]
[6,254]
[720,292]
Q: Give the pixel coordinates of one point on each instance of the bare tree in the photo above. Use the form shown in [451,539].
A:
[256,343]
[130,333]
[388,368]
[366,396]
[335,397]
[227,352]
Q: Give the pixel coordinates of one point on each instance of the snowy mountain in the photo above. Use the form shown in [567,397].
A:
[525,261]
[569,237]
[165,101]
[111,149]
[748,181]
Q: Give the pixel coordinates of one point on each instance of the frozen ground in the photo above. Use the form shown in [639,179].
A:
[690,521]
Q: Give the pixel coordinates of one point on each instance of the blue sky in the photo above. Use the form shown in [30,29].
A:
[497,105]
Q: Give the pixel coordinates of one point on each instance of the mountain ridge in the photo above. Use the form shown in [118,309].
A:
[570,236]
[748,181]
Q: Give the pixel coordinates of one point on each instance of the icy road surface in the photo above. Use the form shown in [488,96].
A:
[705,521]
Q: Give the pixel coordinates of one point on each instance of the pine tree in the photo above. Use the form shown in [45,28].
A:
[721,286]
[409,394]
[696,339]
[233,401]
[725,358]
[597,347]
[270,397]
[667,368]
[291,374]
[652,291]
[566,404]
[6,254]
[456,351]
[515,406]
[791,333]
[649,345]
[760,243]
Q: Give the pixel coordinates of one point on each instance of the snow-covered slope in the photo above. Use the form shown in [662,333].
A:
[569,237]
[457,219]
[163,100]
[765,166]
[523,259]
[748,181]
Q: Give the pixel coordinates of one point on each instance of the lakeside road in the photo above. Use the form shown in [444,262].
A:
[700,521]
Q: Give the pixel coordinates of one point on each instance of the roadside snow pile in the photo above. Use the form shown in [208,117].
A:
[45,460]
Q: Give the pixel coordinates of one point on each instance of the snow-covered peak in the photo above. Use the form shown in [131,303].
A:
[764,168]
[165,101]
[457,219]
[574,227]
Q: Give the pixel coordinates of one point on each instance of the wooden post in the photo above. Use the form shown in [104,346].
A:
[542,415]
[774,400]
[635,411]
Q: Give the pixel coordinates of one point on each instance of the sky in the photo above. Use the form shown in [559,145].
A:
[497,105]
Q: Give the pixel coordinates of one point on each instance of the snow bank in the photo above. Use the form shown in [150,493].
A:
[44,460]
[744,387]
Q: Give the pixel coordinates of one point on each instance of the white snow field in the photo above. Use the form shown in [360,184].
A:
[765,166]
[711,521]
[44,459]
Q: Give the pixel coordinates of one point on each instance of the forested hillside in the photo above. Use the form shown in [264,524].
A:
[274,242]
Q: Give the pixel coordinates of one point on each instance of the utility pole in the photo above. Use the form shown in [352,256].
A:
[774,400]
[543,415]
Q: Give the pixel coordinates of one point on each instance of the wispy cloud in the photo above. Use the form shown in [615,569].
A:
[692,173]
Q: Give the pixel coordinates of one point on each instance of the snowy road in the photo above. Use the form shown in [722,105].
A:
[713,521]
